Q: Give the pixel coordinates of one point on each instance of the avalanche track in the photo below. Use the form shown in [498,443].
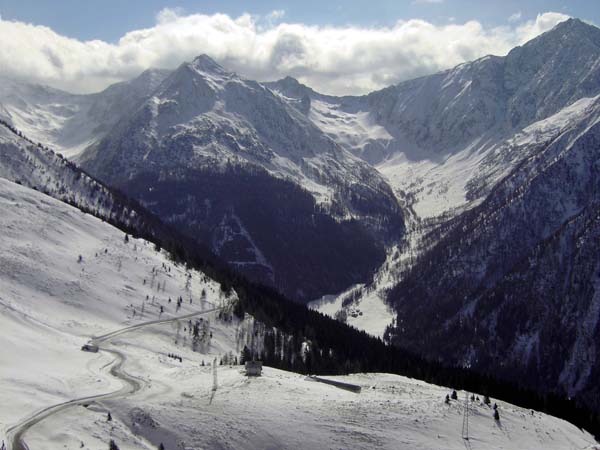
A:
[130,384]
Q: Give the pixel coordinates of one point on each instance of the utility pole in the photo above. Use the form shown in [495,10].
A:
[465,426]
[214,367]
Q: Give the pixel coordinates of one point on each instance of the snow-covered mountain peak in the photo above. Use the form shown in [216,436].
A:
[571,29]
[203,70]
[290,85]
[204,63]
[203,119]
[291,88]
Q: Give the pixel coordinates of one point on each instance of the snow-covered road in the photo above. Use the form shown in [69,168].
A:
[131,384]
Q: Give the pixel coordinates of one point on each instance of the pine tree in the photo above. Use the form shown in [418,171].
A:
[454,395]
[113,445]
[161,446]
[246,355]
[496,415]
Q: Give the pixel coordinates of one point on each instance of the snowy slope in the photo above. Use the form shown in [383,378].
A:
[69,122]
[40,168]
[461,180]
[445,185]
[431,137]
[446,141]
[526,256]
[287,411]
[365,306]
[52,300]
[205,116]
[240,162]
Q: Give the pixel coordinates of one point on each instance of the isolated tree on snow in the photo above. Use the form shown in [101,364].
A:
[109,417]
[454,395]
[486,399]
[161,446]
[495,407]
[113,445]
[447,399]
[496,415]
[126,240]
[246,355]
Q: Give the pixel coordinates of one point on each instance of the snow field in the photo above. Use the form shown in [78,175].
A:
[51,302]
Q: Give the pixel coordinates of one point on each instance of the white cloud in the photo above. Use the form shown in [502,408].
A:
[333,60]
[169,14]
[276,14]
[541,24]
[515,17]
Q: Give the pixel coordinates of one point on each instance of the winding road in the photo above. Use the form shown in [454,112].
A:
[131,384]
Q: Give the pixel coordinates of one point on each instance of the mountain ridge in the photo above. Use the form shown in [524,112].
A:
[203,122]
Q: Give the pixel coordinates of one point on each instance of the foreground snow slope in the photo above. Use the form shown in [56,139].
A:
[282,410]
[51,303]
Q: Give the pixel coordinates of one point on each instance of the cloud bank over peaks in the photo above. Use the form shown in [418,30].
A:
[333,60]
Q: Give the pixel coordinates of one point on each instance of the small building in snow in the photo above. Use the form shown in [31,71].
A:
[253,368]
[90,348]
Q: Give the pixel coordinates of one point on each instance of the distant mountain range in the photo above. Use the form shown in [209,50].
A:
[468,201]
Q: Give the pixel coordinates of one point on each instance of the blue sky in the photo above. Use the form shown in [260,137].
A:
[110,19]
